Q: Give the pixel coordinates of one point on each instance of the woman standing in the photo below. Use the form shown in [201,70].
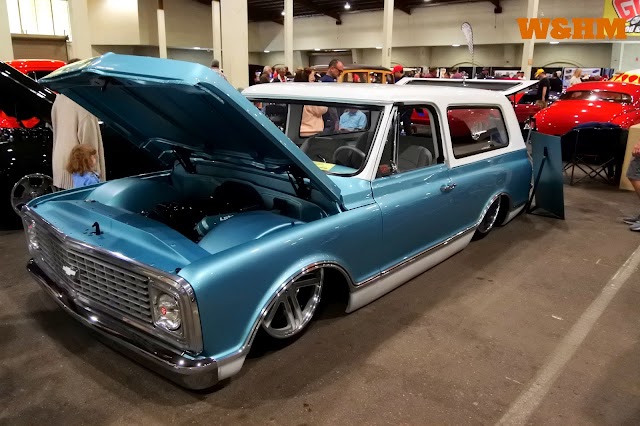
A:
[575,77]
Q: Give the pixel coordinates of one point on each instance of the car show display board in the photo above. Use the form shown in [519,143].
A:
[548,189]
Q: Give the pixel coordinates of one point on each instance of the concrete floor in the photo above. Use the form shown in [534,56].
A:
[457,345]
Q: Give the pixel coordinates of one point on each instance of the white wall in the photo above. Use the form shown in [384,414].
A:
[188,24]
[427,26]
[114,22]
[148,22]
[630,56]
[568,54]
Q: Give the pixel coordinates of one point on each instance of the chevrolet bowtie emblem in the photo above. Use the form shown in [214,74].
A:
[70,271]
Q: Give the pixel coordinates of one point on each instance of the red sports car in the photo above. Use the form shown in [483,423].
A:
[36,68]
[596,101]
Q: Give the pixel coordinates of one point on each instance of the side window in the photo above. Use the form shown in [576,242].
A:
[413,141]
[355,77]
[475,130]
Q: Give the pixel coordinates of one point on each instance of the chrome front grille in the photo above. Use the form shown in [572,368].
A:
[96,280]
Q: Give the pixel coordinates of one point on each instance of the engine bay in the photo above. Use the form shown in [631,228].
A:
[196,217]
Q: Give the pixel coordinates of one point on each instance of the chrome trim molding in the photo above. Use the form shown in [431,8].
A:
[513,213]
[187,371]
[191,341]
[394,277]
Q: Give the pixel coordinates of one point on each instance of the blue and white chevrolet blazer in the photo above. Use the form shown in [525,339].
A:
[275,197]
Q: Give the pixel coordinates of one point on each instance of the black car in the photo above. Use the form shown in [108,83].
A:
[26,143]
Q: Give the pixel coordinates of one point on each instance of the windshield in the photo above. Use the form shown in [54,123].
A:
[596,95]
[337,137]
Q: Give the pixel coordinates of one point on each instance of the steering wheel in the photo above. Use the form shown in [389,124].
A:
[353,150]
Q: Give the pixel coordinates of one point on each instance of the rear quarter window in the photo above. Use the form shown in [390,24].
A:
[475,130]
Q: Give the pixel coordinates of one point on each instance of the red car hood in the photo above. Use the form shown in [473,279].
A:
[564,115]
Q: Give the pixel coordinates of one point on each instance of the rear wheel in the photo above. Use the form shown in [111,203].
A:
[489,220]
[28,188]
[294,307]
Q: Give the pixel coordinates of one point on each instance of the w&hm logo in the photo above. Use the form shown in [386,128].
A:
[576,28]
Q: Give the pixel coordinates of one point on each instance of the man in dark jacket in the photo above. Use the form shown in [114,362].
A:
[556,82]
[542,95]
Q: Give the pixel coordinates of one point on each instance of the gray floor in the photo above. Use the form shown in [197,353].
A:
[457,345]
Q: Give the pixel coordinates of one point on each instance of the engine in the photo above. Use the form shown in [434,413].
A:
[194,218]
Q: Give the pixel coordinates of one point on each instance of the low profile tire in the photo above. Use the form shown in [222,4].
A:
[28,188]
[294,306]
[489,220]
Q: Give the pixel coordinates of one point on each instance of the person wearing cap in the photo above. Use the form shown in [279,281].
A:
[398,73]
[544,85]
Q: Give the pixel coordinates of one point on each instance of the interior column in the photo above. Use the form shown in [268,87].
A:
[235,41]
[162,30]
[6,46]
[217,34]
[527,50]
[387,30]
[80,29]
[288,34]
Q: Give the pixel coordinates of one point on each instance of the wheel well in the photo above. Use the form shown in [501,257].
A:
[505,205]
[335,290]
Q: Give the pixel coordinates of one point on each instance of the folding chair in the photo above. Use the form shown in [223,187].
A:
[593,148]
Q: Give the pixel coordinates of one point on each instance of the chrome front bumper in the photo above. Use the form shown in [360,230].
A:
[189,372]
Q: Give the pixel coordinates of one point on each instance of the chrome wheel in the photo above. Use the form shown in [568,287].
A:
[28,188]
[295,306]
[490,217]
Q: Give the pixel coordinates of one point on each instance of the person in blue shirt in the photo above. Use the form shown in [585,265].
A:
[353,119]
[82,165]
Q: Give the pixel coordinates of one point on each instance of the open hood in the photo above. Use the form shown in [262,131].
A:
[22,97]
[163,105]
[507,87]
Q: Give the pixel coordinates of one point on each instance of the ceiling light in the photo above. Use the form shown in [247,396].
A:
[282,13]
[427,1]
[455,45]
[554,42]
[267,51]
[378,47]
[347,6]
[316,49]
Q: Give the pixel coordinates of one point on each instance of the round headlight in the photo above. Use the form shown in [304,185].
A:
[168,312]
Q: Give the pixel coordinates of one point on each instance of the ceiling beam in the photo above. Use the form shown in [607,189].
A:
[319,9]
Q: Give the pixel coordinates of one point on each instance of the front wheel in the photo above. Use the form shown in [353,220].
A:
[488,220]
[294,307]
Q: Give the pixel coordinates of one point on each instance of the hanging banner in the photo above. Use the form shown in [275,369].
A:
[629,10]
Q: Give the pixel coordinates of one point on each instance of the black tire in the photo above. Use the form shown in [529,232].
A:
[488,220]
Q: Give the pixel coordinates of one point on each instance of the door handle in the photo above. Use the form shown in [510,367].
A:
[448,188]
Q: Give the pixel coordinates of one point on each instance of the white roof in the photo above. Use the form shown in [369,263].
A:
[372,93]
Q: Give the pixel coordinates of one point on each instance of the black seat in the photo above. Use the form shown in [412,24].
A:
[320,148]
[352,158]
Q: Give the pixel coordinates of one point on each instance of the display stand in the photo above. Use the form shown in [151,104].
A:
[548,187]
